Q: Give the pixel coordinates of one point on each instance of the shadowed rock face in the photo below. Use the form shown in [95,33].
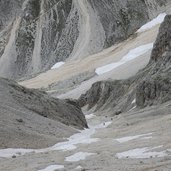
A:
[31,119]
[121,19]
[40,103]
[156,87]
[104,92]
[35,34]
[151,86]
[8,11]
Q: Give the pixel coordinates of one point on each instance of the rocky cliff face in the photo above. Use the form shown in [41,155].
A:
[34,35]
[151,86]
[103,93]
[156,87]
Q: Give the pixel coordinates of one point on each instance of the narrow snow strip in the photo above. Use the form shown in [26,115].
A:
[90,116]
[134,101]
[131,55]
[58,65]
[78,156]
[84,137]
[52,168]
[158,20]
[132,108]
[129,138]
[142,153]
[78,167]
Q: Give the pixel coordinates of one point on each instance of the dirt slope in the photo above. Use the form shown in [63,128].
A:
[30,116]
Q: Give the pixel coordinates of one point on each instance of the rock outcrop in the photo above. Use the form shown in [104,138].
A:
[36,34]
[150,86]
[28,113]
[156,86]
[103,93]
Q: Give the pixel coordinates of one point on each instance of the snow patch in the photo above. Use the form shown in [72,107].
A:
[78,156]
[78,167]
[58,65]
[52,168]
[142,153]
[90,116]
[158,20]
[147,138]
[131,55]
[132,108]
[129,138]
[84,137]
[134,101]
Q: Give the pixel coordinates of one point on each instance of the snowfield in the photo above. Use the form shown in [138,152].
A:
[78,156]
[129,138]
[142,153]
[131,55]
[52,168]
[84,137]
[90,116]
[58,65]
[158,20]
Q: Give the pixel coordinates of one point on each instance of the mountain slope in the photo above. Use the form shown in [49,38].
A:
[30,116]
[44,33]
[126,71]
[150,86]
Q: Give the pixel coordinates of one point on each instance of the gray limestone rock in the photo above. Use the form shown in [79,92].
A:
[36,34]
[150,86]
[156,86]
[31,115]
[104,92]
[42,104]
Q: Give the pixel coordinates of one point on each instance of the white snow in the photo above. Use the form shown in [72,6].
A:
[129,138]
[131,55]
[78,167]
[90,116]
[52,168]
[132,108]
[147,138]
[158,20]
[138,153]
[58,65]
[134,101]
[84,137]
[78,156]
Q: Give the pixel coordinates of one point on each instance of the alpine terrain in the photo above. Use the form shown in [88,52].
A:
[85,85]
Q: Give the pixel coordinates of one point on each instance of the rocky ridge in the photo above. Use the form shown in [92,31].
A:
[150,86]
[32,113]
[35,35]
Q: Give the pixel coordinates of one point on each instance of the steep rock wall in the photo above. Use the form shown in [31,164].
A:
[150,86]
[156,87]
[36,34]
[32,119]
